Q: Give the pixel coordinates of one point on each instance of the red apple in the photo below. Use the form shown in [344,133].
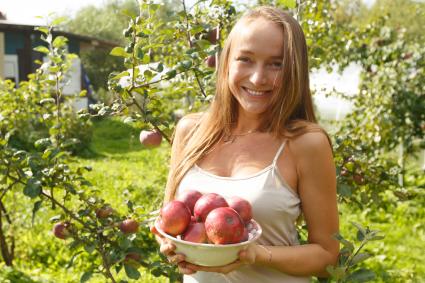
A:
[61,230]
[189,198]
[175,217]
[210,61]
[132,256]
[206,203]
[104,212]
[212,36]
[195,233]
[150,138]
[242,206]
[358,179]
[224,226]
[129,226]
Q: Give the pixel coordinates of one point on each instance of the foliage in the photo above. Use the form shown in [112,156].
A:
[350,255]
[47,178]
[105,22]
[401,14]
[165,74]
[124,169]
[27,115]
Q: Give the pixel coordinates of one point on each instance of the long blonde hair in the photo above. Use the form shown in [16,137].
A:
[291,112]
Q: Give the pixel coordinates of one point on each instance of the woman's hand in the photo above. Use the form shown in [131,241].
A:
[246,256]
[167,248]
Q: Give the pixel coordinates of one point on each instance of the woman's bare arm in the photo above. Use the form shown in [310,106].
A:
[317,190]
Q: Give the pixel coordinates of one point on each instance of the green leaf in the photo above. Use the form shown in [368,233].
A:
[336,272]
[291,4]
[146,59]
[42,29]
[86,276]
[361,230]
[89,248]
[71,261]
[131,272]
[344,190]
[373,236]
[119,52]
[55,218]
[59,41]
[32,188]
[42,49]
[171,74]
[36,207]
[124,243]
[359,258]
[361,275]
[47,100]
[120,75]
[58,21]
[346,243]
[41,143]
[83,93]
[156,272]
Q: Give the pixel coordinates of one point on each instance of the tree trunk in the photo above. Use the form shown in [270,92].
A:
[5,252]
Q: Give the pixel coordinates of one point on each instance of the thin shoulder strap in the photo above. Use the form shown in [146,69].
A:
[279,151]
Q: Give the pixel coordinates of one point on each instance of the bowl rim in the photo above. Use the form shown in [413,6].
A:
[258,234]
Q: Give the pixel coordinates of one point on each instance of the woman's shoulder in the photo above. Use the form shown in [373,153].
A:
[314,139]
[186,124]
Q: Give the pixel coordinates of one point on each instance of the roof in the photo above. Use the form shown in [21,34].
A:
[6,25]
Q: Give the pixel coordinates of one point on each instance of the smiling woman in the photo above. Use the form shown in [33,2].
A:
[255,69]
[259,140]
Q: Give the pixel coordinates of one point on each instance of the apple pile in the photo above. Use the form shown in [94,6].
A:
[207,218]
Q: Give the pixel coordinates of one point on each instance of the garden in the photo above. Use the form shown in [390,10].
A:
[79,191]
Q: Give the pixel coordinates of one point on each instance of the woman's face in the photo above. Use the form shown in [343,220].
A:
[255,65]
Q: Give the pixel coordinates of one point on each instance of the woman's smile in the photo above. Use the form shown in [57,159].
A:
[257,93]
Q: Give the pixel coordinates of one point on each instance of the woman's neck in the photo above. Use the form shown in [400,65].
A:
[246,123]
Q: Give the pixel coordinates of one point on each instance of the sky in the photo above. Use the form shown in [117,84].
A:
[25,11]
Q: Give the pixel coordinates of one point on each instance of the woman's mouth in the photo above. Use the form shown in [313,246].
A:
[256,93]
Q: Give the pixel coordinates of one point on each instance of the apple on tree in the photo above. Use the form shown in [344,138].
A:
[132,256]
[61,230]
[212,36]
[129,226]
[150,139]
[104,212]
[211,62]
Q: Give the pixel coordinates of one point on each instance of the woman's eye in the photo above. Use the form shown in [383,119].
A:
[243,59]
[277,65]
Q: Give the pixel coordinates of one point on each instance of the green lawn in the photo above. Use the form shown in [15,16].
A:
[122,167]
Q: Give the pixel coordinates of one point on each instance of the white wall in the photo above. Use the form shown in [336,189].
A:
[11,67]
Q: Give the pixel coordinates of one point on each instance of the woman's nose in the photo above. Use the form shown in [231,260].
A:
[258,76]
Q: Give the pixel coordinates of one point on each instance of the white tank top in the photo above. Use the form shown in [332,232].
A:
[275,206]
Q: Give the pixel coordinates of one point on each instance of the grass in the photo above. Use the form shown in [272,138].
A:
[122,168]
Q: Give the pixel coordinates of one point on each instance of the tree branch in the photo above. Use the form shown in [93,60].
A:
[191,45]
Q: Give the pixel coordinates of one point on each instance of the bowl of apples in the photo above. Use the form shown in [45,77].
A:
[208,229]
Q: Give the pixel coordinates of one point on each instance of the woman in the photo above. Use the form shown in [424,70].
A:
[259,140]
